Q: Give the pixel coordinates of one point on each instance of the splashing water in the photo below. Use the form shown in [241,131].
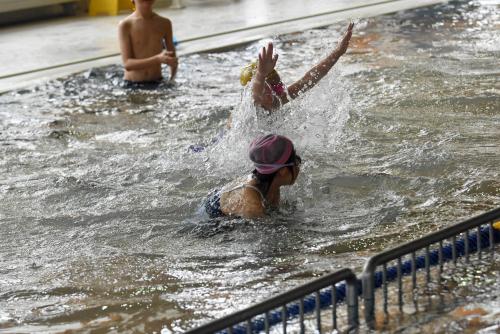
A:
[100,193]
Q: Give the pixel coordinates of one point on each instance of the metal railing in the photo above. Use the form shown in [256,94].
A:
[292,304]
[434,253]
[331,289]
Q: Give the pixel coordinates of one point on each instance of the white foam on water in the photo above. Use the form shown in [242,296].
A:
[314,122]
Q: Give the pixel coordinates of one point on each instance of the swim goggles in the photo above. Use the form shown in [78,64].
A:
[297,161]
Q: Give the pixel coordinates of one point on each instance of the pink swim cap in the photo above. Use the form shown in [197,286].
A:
[270,153]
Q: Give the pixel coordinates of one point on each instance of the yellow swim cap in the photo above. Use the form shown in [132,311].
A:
[247,73]
[249,70]
[496,225]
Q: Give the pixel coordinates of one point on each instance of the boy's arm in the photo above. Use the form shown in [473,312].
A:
[266,64]
[315,74]
[129,62]
[169,41]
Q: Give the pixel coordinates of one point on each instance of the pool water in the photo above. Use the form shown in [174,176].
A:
[100,193]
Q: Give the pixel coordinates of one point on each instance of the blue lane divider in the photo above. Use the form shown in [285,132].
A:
[434,255]
[293,310]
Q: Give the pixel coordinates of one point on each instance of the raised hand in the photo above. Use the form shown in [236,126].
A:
[343,43]
[267,61]
[315,74]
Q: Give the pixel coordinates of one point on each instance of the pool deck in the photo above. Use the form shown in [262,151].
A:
[34,52]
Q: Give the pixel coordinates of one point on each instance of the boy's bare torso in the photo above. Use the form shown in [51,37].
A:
[145,38]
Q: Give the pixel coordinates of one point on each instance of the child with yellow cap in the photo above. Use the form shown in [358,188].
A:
[268,90]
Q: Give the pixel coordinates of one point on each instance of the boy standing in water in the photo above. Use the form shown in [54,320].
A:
[143,35]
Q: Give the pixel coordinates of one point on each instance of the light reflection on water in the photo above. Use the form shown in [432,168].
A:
[100,192]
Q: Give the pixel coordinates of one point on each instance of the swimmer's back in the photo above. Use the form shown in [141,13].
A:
[241,198]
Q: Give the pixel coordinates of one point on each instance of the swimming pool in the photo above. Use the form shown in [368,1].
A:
[99,191]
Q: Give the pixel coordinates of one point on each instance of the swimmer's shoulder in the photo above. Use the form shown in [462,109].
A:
[253,205]
[163,21]
[127,22]
[242,198]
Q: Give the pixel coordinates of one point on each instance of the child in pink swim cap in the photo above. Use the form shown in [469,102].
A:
[276,165]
